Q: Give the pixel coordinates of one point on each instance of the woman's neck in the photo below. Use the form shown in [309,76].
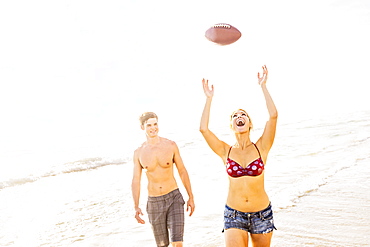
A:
[242,140]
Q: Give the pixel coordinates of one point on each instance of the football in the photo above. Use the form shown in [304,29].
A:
[223,34]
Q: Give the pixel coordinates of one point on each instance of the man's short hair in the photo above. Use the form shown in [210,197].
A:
[145,116]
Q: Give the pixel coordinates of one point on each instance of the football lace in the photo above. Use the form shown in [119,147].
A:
[222,25]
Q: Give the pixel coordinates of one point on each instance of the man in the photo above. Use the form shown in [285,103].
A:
[165,206]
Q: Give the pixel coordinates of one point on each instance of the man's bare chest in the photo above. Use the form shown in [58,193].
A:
[151,157]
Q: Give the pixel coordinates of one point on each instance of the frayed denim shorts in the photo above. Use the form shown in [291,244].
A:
[254,222]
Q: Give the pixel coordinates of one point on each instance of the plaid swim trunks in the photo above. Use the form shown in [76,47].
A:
[167,213]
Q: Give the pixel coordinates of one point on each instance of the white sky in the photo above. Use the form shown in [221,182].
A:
[82,67]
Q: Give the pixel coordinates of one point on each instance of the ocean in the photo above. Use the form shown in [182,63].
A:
[316,176]
[75,75]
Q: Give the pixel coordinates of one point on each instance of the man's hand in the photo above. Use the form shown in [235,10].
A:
[190,206]
[137,216]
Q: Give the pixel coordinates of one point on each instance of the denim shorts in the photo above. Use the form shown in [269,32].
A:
[255,222]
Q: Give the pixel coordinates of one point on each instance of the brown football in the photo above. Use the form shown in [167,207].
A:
[223,34]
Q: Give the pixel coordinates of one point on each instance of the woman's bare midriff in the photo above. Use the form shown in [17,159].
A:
[247,195]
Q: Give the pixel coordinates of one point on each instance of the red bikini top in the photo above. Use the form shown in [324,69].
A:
[255,168]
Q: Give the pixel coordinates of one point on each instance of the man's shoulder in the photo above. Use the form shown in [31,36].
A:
[167,141]
[139,148]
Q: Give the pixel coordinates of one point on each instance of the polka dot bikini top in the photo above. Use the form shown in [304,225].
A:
[255,168]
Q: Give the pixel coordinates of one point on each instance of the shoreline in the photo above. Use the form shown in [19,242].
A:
[334,215]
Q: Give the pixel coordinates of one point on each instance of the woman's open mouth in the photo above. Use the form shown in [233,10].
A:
[240,122]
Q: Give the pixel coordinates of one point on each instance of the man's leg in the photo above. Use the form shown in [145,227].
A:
[176,220]
[157,217]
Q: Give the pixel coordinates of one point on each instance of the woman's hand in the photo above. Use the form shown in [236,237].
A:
[207,91]
[262,80]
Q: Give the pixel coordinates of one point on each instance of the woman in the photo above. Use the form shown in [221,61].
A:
[248,210]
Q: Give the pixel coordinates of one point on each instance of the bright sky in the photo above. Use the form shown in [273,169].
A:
[80,67]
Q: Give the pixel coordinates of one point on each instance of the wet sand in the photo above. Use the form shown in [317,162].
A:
[336,214]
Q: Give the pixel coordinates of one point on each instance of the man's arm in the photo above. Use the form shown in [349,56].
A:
[135,187]
[184,178]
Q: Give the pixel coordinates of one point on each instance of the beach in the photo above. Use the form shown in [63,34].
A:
[319,195]
[335,214]
[76,75]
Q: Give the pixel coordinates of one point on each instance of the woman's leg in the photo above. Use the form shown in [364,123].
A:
[261,240]
[236,238]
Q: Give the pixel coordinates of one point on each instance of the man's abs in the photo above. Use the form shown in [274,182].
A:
[161,188]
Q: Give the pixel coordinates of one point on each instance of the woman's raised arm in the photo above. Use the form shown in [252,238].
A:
[268,136]
[218,146]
